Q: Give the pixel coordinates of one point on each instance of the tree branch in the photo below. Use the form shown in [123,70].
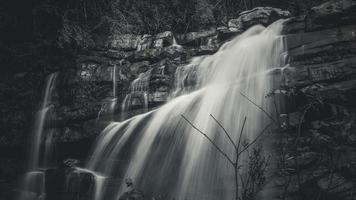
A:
[226,133]
[212,142]
[263,110]
[241,132]
[255,140]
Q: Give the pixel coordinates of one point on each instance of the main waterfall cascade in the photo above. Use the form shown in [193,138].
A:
[162,154]
[41,157]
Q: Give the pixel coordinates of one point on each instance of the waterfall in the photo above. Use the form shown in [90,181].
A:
[109,105]
[164,155]
[114,88]
[34,181]
[175,43]
[185,77]
[138,95]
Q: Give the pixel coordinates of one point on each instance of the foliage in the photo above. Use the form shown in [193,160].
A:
[254,179]
[148,16]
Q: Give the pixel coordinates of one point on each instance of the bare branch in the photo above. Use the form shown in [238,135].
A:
[226,133]
[255,140]
[212,142]
[241,132]
[263,110]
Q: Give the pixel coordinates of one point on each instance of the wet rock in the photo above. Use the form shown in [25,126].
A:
[196,38]
[303,161]
[125,42]
[131,192]
[322,139]
[321,56]
[294,25]
[71,163]
[87,91]
[224,33]
[164,39]
[157,54]
[145,42]
[55,183]
[331,14]
[117,54]
[79,185]
[336,184]
[138,68]
[290,120]
[260,15]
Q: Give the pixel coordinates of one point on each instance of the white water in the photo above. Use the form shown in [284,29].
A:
[34,187]
[109,106]
[162,154]
[138,95]
[114,88]
[34,177]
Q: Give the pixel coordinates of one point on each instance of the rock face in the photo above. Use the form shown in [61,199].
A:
[321,77]
[260,15]
[321,48]
[326,55]
[331,14]
[134,55]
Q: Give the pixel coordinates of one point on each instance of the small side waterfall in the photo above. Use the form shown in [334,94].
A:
[162,154]
[185,77]
[33,185]
[108,107]
[114,88]
[138,95]
[175,43]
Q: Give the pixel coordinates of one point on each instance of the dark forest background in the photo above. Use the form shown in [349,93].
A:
[29,28]
[21,20]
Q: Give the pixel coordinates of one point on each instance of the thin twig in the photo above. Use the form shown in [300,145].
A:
[255,140]
[226,133]
[240,137]
[263,110]
[212,142]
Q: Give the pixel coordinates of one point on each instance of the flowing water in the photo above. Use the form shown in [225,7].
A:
[138,95]
[109,106]
[114,88]
[163,154]
[34,180]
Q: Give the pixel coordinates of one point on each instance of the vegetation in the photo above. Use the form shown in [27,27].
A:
[253,178]
[130,16]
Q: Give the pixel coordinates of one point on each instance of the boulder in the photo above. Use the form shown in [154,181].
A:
[124,42]
[331,14]
[117,54]
[260,15]
[163,39]
[336,184]
[196,38]
[145,42]
[131,192]
[225,34]
[294,25]
[157,54]
[303,161]
[79,185]
[138,68]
